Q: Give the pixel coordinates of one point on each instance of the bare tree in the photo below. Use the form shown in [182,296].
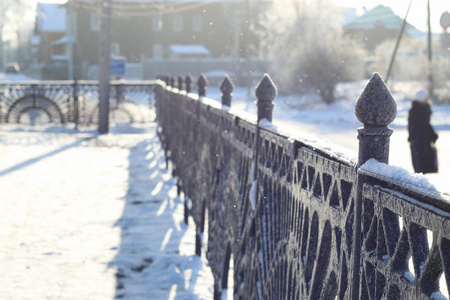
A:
[309,49]
[11,14]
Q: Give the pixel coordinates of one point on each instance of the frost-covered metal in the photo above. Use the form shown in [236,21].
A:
[296,221]
[74,101]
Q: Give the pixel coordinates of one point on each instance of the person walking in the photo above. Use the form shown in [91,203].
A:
[422,136]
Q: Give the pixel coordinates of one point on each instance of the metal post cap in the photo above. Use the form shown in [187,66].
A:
[226,85]
[266,89]
[375,106]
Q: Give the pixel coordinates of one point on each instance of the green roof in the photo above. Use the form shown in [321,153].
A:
[379,15]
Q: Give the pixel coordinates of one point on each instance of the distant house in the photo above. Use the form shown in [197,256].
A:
[375,26]
[49,29]
[143,30]
[151,29]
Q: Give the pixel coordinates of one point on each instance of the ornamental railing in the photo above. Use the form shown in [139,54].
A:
[288,218]
[73,101]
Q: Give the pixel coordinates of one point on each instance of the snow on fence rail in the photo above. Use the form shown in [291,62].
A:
[73,101]
[291,219]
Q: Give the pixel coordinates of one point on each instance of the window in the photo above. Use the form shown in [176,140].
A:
[157,23]
[115,49]
[95,22]
[158,51]
[197,23]
[177,25]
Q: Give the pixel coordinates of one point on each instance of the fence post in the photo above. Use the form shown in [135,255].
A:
[2,93]
[75,103]
[188,83]
[180,83]
[265,92]
[226,87]
[202,84]
[375,109]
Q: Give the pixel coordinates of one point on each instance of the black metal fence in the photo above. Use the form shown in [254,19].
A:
[73,101]
[291,220]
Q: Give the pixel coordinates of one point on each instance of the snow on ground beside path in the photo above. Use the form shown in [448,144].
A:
[93,217]
[14,77]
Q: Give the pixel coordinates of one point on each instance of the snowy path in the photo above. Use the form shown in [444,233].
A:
[93,217]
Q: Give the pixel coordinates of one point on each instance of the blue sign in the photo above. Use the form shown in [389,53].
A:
[117,66]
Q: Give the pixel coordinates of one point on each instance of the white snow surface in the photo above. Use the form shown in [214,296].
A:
[88,216]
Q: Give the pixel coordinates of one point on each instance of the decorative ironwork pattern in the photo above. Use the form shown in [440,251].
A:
[290,220]
[406,244]
[73,101]
[310,199]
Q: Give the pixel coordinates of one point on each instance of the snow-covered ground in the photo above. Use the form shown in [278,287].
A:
[14,77]
[85,216]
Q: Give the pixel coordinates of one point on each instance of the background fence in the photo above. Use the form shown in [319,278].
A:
[73,101]
[287,219]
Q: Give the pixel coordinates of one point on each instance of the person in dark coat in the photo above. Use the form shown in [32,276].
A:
[421,134]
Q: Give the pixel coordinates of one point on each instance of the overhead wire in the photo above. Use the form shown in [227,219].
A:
[129,10]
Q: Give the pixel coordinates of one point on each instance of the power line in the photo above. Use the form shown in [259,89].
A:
[141,9]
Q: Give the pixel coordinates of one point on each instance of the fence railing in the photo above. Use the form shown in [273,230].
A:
[73,101]
[291,220]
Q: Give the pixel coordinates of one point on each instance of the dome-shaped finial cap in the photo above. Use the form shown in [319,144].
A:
[226,85]
[202,81]
[266,89]
[376,106]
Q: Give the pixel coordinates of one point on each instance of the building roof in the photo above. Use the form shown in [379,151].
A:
[188,49]
[50,17]
[379,15]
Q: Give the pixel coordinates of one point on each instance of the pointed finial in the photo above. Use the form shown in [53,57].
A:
[376,109]
[188,82]
[265,92]
[202,84]
[226,87]
[180,83]
[376,106]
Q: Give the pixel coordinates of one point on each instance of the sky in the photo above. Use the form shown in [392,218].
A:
[417,15]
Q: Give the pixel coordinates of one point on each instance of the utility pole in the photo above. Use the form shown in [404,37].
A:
[70,40]
[104,65]
[248,62]
[430,62]
[399,38]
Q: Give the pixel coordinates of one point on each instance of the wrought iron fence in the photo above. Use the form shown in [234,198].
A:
[291,220]
[73,101]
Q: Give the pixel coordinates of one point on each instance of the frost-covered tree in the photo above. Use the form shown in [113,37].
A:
[12,14]
[410,59]
[308,47]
